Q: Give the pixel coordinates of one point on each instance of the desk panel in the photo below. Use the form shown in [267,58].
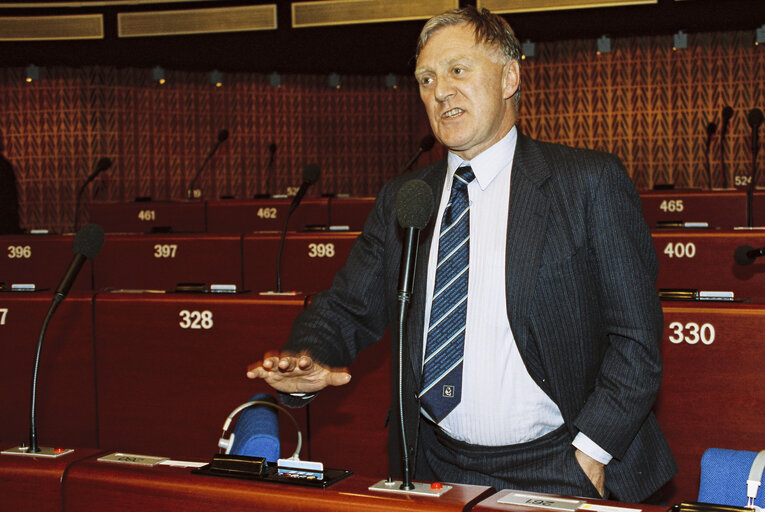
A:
[713,388]
[721,209]
[348,422]
[350,211]
[246,216]
[143,217]
[309,262]
[161,261]
[171,367]
[66,411]
[103,487]
[34,484]
[703,260]
[40,259]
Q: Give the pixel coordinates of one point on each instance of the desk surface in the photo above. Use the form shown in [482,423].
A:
[103,486]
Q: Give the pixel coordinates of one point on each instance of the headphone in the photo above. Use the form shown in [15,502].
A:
[227,443]
[755,477]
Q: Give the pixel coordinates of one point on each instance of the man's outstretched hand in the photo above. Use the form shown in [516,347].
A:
[296,373]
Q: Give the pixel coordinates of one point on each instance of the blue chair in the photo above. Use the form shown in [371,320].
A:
[726,474]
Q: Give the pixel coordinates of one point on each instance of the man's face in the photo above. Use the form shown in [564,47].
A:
[466,88]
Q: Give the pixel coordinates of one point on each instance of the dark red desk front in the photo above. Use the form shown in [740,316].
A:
[309,261]
[171,367]
[146,216]
[703,260]
[720,209]
[162,261]
[246,216]
[35,484]
[712,388]
[40,260]
[66,396]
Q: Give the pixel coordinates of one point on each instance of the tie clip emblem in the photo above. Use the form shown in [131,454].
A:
[448,391]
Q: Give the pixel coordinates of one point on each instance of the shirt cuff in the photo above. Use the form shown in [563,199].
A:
[588,447]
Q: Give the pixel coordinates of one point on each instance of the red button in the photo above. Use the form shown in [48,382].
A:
[436,486]
[58,450]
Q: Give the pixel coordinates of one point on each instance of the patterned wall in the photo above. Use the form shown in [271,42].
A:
[642,101]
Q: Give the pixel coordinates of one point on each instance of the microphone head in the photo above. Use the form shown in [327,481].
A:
[311,174]
[754,117]
[414,204]
[727,113]
[741,255]
[103,164]
[711,129]
[426,144]
[222,135]
[272,148]
[88,241]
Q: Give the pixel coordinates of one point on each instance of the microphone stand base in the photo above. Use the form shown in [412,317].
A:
[435,489]
[45,451]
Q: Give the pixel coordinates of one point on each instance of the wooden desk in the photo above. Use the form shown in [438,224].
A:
[161,261]
[309,262]
[703,260]
[103,487]
[143,217]
[34,484]
[171,367]
[720,208]
[66,410]
[40,259]
[713,388]
[246,216]
[350,211]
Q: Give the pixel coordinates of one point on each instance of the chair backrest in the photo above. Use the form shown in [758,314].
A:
[724,475]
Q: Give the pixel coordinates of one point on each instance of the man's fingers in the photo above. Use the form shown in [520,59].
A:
[338,378]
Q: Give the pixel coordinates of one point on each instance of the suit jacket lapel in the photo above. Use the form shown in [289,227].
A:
[526,226]
[415,335]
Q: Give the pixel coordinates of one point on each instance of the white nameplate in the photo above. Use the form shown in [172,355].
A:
[536,500]
[129,458]
[608,508]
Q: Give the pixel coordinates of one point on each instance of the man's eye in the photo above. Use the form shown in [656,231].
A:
[458,71]
[426,81]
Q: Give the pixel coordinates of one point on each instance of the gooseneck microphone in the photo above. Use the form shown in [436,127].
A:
[727,113]
[745,254]
[711,129]
[754,118]
[311,175]
[222,136]
[103,164]
[414,207]
[87,244]
[426,144]
[268,173]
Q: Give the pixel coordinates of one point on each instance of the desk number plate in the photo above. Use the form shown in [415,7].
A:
[536,500]
[129,458]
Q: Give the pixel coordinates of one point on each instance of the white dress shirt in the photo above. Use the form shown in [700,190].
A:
[501,404]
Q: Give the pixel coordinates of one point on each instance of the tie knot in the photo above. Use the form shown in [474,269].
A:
[463,176]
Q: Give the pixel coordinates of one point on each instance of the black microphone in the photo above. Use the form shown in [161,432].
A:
[311,175]
[711,129]
[754,118]
[222,136]
[414,207]
[745,254]
[426,144]
[268,172]
[103,164]
[87,244]
[727,113]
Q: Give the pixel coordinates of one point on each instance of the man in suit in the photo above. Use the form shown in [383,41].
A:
[557,324]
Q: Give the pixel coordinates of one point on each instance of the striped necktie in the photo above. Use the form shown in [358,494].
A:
[444,350]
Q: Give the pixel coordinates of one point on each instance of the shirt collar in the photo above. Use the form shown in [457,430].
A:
[487,165]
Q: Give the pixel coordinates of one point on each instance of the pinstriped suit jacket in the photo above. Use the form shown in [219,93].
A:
[581,301]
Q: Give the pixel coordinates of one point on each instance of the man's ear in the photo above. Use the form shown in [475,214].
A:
[511,79]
